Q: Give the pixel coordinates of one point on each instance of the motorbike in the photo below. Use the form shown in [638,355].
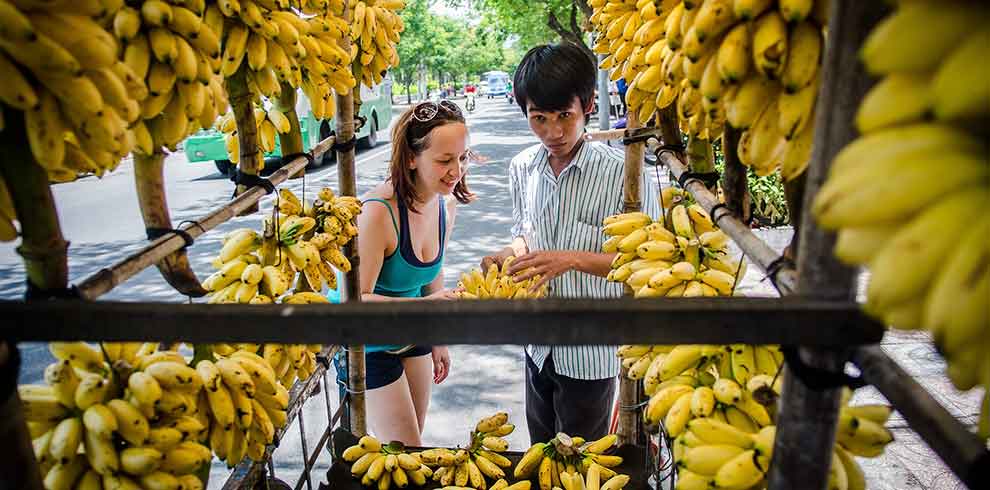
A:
[469,105]
[510,97]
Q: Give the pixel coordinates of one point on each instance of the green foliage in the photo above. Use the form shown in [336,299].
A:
[767,193]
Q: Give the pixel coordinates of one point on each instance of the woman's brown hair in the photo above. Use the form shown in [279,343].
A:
[410,137]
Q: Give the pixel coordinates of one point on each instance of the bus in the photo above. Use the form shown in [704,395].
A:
[498,83]
[207,145]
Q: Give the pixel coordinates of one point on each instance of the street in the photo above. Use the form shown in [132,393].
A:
[101,219]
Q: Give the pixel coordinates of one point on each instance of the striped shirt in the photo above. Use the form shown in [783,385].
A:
[565,212]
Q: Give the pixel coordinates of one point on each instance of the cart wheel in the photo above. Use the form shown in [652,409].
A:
[371,140]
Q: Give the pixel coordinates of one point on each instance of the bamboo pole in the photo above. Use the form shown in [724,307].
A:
[759,253]
[803,446]
[108,278]
[351,287]
[149,181]
[734,177]
[291,142]
[251,161]
[963,451]
[629,390]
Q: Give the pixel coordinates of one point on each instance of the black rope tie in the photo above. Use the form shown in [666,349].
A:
[252,180]
[676,148]
[35,293]
[154,233]
[710,179]
[717,216]
[774,268]
[293,156]
[817,379]
[344,147]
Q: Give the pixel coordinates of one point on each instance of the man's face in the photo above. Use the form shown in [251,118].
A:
[559,131]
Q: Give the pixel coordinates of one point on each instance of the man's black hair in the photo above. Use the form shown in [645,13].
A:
[551,75]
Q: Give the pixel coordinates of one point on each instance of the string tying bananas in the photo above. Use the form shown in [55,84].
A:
[688,258]
[497,283]
[126,441]
[255,268]
[60,68]
[930,105]
[750,64]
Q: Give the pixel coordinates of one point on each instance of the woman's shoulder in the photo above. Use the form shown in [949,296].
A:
[372,206]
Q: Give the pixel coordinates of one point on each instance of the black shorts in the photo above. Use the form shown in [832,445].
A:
[381,368]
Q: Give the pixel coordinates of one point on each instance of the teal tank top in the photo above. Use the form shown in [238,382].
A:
[403,275]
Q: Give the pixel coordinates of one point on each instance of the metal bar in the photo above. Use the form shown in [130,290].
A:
[604,97]
[108,278]
[965,454]
[759,253]
[563,321]
[305,453]
[803,446]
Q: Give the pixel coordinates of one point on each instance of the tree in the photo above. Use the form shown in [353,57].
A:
[414,45]
[540,21]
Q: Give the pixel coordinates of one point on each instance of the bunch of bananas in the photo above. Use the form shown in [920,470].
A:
[375,27]
[59,65]
[741,62]
[712,453]
[246,403]
[497,283]
[288,361]
[269,123]
[690,258]
[469,467]
[130,409]
[383,466]
[592,481]
[307,243]
[172,49]
[568,455]
[931,105]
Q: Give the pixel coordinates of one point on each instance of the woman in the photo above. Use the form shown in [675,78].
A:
[403,229]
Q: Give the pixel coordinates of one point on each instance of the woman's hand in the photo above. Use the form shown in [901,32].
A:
[441,363]
[443,294]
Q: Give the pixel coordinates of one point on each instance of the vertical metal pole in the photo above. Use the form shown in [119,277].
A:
[803,448]
[628,429]
[305,449]
[604,101]
[17,464]
[351,288]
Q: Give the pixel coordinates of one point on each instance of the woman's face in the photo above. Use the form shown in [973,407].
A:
[444,161]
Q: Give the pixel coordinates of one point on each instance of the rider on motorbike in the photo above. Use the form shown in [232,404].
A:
[470,92]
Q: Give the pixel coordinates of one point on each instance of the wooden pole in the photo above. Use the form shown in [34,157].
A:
[20,470]
[629,390]
[803,447]
[291,142]
[735,183]
[149,181]
[351,286]
[106,279]
[251,161]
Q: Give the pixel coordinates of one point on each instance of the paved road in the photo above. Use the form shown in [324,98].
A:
[101,219]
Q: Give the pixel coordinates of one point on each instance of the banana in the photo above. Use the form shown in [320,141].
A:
[707,459]
[803,55]
[702,402]
[64,381]
[100,420]
[62,476]
[66,438]
[92,389]
[173,375]
[678,416]
[898,98]
[679,359]
[140,461]
[530,461]
[661,403]
[956,90]
[750,9]
[79,354]
[739,472]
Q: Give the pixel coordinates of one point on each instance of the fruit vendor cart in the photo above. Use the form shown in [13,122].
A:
[817,319]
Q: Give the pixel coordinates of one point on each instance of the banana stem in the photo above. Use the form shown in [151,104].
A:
[241,101]
[43,248]
[149,181]
[290,142]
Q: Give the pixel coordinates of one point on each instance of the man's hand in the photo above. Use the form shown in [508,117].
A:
[548,264]
[491,259]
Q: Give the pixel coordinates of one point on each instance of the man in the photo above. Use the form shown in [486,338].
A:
[561,191]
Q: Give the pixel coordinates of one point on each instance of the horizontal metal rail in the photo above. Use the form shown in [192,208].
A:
[249,472]
[965,454]
[104,280]
[548,321]
[784,277]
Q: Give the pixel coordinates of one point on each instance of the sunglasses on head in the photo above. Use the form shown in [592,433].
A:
[427,111]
